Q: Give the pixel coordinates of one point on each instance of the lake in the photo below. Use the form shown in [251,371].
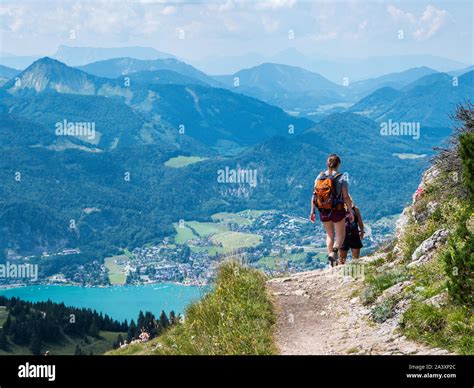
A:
[121,302]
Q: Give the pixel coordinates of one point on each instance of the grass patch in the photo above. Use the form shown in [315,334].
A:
[449,327]
[377,282]
[183,161]
[206,228]
[99,345]
[235,218]
[430,279]
[183,233]
[115,267]
[235,240]
[236,318]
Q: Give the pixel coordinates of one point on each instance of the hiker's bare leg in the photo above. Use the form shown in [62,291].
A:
[355,253]
[342,256]
[340,233]
[329,227]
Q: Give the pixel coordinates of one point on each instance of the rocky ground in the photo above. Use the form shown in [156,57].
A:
[318,313]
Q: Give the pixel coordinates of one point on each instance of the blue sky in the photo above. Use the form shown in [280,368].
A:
[330,29]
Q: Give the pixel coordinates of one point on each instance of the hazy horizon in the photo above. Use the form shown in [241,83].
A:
[199,30]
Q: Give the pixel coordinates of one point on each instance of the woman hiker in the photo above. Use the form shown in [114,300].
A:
[330,194]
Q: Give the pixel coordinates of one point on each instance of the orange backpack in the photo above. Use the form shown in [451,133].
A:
[325,192]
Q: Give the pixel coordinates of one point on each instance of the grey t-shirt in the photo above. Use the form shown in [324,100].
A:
[339,183]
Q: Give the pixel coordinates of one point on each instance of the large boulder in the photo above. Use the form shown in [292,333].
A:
[426,249]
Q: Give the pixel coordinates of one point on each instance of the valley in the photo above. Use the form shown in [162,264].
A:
[158,189]
[271,241]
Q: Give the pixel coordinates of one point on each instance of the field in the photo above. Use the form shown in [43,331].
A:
[183,161]
[115,266]
[222,239]
[241,218]
[236,240]
[68,347]
[183,233]
[206,228]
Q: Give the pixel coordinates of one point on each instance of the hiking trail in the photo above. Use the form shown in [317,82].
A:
[317,313]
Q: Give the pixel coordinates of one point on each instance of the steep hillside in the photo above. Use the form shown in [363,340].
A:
[8,72]
[415,296]
[235,318]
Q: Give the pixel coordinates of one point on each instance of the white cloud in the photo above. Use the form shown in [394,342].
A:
[430,22]
[274,4]
[424,26]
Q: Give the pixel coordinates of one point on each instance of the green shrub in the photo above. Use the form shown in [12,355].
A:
[466,151]
[459,265]
[383,311]
[235,318]
[448,327]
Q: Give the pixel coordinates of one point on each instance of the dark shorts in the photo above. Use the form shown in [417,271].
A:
[332,215]
[352,241]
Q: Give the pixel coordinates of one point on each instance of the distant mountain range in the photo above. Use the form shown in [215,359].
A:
[429,100]
[289,87]
[78,56]
[393,80]
[170,108]
[117,67]
[8,72]
[142,113]
[336,70]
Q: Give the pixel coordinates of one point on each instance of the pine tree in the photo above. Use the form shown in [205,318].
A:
[164,322]
[94,329]
[173,319]
[119,341]
[3,340]
[78,351]
[35,344]
[132,331]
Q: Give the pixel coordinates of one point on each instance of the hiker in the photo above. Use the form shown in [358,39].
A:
[330,193]
[354,235]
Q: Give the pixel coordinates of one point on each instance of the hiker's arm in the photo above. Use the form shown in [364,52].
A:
[360,222]
[312,215]
[347,199]
[313,199]
[348,202]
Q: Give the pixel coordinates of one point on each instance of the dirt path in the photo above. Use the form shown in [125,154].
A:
[319,314]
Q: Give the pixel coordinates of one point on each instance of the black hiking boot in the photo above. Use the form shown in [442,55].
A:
[332,258]
[335,256]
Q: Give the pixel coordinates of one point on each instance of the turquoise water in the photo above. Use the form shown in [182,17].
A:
[123,302]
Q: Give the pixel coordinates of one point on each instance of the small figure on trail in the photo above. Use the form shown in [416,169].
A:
[354,235]
[144,336]
[330,194]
